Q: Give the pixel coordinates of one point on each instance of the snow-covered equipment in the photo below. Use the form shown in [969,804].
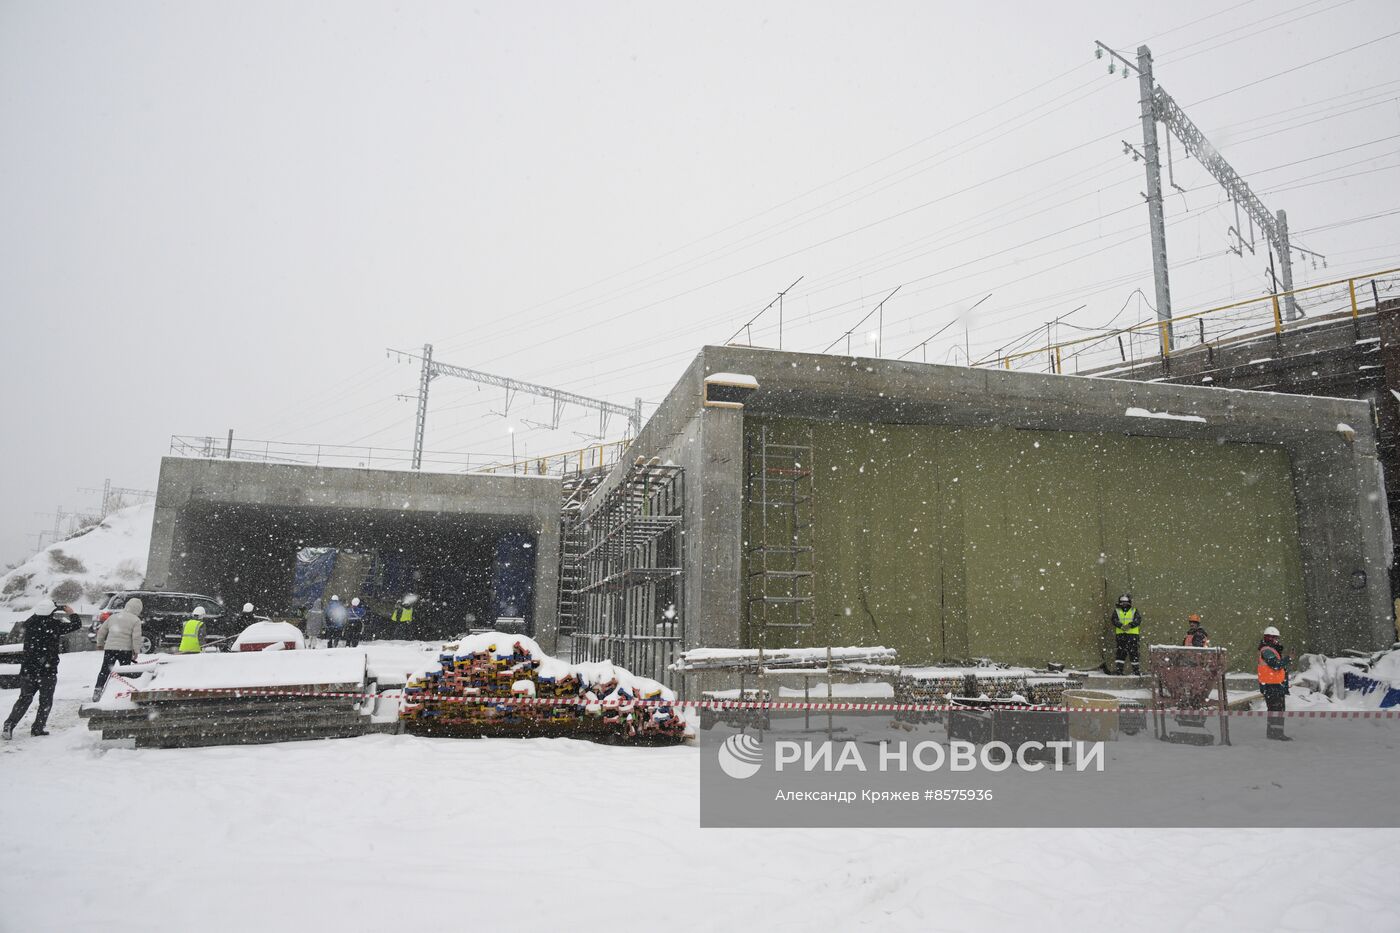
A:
[737,659]
[269,636]
[1183,680]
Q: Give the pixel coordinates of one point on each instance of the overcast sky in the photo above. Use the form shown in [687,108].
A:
[219,215]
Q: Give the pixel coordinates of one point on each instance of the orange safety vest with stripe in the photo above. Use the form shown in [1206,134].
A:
[1267,674]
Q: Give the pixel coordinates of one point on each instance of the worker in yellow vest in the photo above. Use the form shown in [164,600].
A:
[192,637]
[1127,633]
[403,615]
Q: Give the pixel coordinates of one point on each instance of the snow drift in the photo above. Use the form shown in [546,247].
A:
[79,569]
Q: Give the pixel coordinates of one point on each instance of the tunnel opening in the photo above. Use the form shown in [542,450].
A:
[464,571]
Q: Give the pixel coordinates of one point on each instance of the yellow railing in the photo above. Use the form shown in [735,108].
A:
[569,462]
[1225,320]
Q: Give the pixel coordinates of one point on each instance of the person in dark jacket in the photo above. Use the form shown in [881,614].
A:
[1273,680]
[335,621]
[38,674]
[354,623]
[1196,635]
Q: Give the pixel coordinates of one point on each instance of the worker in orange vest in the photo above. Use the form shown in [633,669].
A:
[1196,635]
[1273,680]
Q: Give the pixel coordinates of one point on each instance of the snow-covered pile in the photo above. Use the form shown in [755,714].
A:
[79,569]
[252,670]
[1351,683]
[730,658]
[274,635]
[594,673]
[504,685]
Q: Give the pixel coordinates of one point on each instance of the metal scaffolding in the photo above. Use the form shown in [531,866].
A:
[629,606]
[780,553]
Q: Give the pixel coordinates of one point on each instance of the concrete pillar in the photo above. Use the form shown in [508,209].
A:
[547,584]
[1337,490]
[717,610]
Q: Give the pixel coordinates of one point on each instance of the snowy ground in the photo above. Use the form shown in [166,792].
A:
[389,832]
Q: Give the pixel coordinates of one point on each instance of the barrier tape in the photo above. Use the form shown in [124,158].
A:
[731,705]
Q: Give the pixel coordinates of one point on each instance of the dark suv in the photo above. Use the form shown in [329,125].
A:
[163,617]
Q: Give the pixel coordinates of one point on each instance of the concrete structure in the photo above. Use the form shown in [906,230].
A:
[1337,356]
[973,512]
[232,529]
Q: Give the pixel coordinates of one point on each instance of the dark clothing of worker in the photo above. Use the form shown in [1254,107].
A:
[335,621]
[110,659]
[354,628]
[1273,684]
[1196,637]
[38,674]
[1127,635]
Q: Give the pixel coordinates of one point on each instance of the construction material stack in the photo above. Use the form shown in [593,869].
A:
[192,701]
[927,686]
[495,684]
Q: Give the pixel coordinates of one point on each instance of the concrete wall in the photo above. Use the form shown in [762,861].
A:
[1335,356]
[1334,476]
[951,543]
[191,490]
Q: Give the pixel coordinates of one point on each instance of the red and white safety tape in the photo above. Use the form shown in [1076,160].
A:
[724,705]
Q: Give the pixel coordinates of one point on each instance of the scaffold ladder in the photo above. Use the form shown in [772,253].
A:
[780,554]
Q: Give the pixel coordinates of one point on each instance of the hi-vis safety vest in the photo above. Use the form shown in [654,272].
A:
[189,642]
[1267,674]
[1125,622]
[403,614]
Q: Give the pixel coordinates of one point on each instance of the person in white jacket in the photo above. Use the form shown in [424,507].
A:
[119,640]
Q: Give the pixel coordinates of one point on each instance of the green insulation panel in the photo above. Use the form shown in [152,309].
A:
[950,543]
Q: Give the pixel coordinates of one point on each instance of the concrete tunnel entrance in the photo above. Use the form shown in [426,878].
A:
[465,571]
[474,549]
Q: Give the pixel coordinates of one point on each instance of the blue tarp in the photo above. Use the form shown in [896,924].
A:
[314,568]
[1368,685]
[513,574]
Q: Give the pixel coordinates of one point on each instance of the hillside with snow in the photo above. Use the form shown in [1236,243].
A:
[79,569]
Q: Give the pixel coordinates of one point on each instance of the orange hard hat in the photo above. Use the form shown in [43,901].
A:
[1194,617]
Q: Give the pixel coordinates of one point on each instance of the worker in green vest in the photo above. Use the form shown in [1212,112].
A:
[1127,633]
[192,637]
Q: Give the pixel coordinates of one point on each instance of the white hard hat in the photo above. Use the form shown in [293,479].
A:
[1272,631]
[44,607]
[199,610]
[335,597]
[355,601]
[247,607]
